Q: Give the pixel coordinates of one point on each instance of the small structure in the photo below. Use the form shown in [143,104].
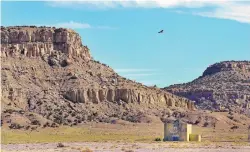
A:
[179,131]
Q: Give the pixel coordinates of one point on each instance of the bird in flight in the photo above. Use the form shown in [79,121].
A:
[161,31]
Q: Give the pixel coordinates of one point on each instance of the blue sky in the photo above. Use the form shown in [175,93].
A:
[123,34]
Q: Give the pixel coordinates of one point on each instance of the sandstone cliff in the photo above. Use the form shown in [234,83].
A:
[48,72]
[36,42]
[224,86]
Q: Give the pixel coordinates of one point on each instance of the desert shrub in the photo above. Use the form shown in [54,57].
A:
[99,75]
[235,127]
[157,139]
[35,122]
[73,114]
[48,116]
[54,125]
[91,73]
[60,145]
[73,77]
[66,115]
[10,111]
[197,122]
[27,127]
[15,126]
[65,123]
[33,128]
[95,114]
[205,124]
[39,103]
[236,120]
[58,119]
[230,117]
[21,111]
[46,125]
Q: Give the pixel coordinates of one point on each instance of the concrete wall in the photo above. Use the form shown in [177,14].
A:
[186,130]
[182,131]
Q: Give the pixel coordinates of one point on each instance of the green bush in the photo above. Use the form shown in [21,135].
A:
[157,139]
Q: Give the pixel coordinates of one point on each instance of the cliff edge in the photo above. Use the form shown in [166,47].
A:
[32,41]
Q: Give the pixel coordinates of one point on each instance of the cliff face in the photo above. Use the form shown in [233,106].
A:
[36,42]
[224,86]
[63,85]
[242,67]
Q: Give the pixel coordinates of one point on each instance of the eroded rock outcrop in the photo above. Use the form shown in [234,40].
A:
[35,42]
[127,96]
[223,86]
[241,66]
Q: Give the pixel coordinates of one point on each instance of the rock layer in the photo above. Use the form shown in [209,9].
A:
[35,42]
[242,66]
[224,86]
[127,96]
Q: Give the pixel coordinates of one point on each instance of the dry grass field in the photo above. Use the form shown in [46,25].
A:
[118,137]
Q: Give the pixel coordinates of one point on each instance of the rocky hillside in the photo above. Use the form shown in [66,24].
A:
[224,86]
[49,78]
